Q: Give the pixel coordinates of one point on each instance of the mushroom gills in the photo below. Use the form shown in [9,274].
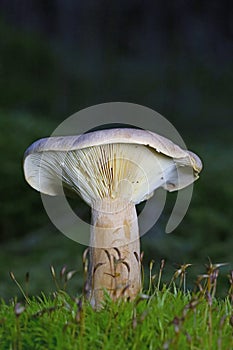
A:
[127,171]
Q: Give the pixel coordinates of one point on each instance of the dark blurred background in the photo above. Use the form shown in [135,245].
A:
[57,57]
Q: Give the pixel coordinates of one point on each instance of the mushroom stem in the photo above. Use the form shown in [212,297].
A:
[115,265]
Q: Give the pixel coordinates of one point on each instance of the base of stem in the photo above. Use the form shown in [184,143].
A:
[115,266]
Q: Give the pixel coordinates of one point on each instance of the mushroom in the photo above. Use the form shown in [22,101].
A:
[113,170]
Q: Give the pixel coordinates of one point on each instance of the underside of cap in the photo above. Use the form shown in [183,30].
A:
[111,163]
[116,170]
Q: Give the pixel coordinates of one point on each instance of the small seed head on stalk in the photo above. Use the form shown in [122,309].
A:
[19,309]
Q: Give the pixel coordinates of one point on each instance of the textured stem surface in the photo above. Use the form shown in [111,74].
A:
[115,251]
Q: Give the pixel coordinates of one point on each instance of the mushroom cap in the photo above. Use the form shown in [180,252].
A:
[113,162]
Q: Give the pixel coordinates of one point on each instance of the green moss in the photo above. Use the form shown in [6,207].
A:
[165,320]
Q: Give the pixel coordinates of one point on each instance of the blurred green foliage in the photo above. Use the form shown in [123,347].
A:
[21,209]
[27,69]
